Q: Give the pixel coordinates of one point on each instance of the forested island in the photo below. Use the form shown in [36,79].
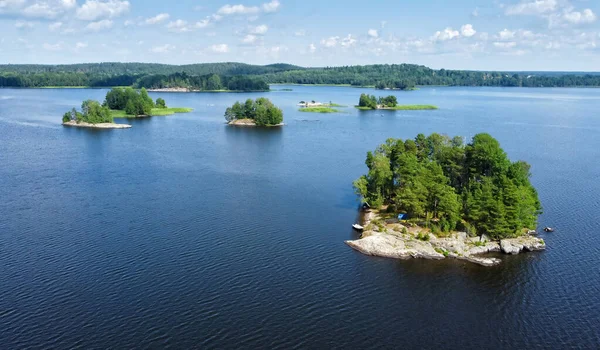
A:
[370,102]
[454,200]
[131,103]
[260,112]
[245,77]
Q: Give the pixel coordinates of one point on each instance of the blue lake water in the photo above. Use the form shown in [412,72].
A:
[185,233]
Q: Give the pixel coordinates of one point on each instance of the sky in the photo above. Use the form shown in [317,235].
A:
[515,35]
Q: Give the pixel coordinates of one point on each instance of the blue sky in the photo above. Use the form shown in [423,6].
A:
[457,34]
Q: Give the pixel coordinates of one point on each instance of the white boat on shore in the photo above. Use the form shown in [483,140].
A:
[357,227]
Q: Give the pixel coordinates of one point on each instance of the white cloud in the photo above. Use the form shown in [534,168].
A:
[179,26]
[157,19]
[348,41]
[575,17]
[219,48]
[259,30]
[535,7]
[272,6]
[237,10]
[80,45]
[312,48]
[447,34]
[100,25]
[163,49]
[93,10]
[55,26]
[373,33]
[24,25]
[42,9]
[506,34]
[249,39]
[467,30]
[330,42]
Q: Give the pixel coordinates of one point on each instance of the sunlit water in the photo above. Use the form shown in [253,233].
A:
[182,232]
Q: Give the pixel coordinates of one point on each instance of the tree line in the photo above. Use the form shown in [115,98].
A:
[261,110]
[209,82]
[446,185]
[395,76]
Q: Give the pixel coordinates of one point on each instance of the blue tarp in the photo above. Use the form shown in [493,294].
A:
[401,216]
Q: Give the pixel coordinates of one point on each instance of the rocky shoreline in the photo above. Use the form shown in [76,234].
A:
[402,242]
[247,122]
[74,123]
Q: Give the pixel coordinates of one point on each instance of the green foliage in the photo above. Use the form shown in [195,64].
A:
[93,113]
[318,110]
[262,111]
[404,231]
[446,184]
[423,237]
[134,102]
[367,101]
[160,103]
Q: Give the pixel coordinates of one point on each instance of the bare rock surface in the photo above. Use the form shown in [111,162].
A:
[400,242]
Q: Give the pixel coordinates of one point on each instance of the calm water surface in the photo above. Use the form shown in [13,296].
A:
[185,233]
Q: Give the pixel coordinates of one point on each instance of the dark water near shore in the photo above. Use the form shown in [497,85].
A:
[182,232]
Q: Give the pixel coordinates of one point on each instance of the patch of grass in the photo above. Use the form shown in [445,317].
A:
[318,110]
[423,237]
[442,251]
[116,113]
[335,105]
[479,243]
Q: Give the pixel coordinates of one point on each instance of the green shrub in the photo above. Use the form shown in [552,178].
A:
[423,237]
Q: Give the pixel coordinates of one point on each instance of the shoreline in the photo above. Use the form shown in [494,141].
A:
[394,240]
[96,126]
[250,123]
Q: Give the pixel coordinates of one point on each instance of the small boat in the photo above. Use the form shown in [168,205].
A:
[548,229]
[357,227]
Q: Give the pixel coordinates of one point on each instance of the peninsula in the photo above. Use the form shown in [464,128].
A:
[260,112]
[370,102]
[434,197]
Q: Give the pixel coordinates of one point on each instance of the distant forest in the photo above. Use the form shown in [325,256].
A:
[245,77]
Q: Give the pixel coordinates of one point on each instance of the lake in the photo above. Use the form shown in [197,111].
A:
[182,232]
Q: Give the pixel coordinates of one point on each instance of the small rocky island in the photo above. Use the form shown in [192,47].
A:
[318,107]
[434,197]
[260,112]
[130,103]
[370,102]
[93,115]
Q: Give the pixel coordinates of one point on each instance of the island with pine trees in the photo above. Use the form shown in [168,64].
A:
[370,102]
[259,112]
[435,197]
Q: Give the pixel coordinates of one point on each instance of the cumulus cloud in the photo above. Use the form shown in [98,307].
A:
[272,6]
[575,17]
[219,48]
[446,34]
[99,25]
[93,10]
[179,26]
[259,30]
[40,9]
[534,7]
[238,10]
[506,34]
[467,30]
[312,48]
[157,19]
[373,33]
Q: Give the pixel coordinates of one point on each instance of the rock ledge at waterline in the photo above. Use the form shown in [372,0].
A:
[392,243]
